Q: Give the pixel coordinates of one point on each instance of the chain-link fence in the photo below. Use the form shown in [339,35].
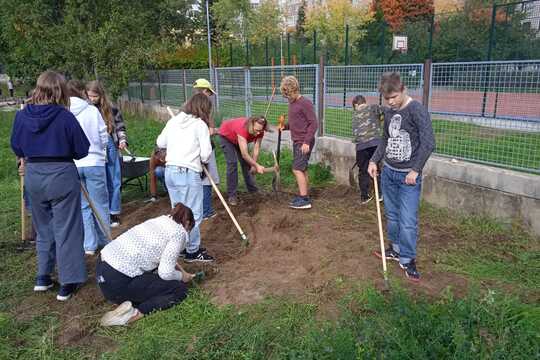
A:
[494,108]
[485,111]
[342,83]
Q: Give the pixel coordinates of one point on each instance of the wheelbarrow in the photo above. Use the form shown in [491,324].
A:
[135,169]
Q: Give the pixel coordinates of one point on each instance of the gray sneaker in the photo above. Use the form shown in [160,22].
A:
[301,202]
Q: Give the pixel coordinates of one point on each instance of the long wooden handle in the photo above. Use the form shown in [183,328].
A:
[379,219]
[225,205]
[96,214]
[23,210]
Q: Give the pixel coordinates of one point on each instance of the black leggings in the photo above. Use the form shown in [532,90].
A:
[364,180]
[147,292]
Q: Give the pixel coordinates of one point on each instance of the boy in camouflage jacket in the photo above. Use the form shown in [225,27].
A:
[366,128]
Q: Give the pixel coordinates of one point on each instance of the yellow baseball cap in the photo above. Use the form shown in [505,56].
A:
[203,84]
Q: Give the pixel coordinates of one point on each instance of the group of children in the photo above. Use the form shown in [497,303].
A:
[67,139]
[65,150]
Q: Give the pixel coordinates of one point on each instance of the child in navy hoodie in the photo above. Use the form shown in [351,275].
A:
[49,138]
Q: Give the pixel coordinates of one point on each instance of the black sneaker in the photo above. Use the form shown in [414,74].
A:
[410,270]
[198,256]
[389,253]
[115,221]
[66,291]
[43,283]
[365,199]
[183,253]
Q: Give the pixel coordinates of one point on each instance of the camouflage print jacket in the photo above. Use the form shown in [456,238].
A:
[366,123]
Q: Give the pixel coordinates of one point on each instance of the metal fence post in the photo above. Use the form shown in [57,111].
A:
[159,88]
[427,83]
[288,48]
[321,94]
[184,84]
[247,91]
[315,46]
[489,50]
[431,31]
[216,88]
[230,54]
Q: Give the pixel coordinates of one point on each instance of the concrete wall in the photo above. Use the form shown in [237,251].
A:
[472,188]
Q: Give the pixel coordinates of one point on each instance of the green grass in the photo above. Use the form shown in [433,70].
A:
[489,324]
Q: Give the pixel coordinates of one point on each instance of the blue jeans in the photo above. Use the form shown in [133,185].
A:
[185,186]
[93,178]
[207,201]
[114,178]
[159,171]
[401,202]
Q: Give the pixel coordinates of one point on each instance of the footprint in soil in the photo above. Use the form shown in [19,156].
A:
[283,223]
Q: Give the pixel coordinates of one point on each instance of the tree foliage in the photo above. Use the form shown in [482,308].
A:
[397,13]
[238,19]
[330,18]
[113,40]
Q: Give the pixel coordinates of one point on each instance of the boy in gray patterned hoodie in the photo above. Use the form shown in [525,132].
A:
[366,128]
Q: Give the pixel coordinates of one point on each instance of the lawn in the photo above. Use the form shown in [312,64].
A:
[495,317]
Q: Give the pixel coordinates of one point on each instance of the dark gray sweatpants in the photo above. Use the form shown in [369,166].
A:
[232,157]
[55,194]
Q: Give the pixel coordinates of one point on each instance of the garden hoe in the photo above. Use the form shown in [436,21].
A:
[381,237]
[245,240]
[104,228]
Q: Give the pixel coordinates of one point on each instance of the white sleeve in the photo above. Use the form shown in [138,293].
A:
[167,263]
[161,141]
[204,141]
[102,129]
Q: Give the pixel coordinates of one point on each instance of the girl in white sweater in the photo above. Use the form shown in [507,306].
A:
[187,140]
[139,270]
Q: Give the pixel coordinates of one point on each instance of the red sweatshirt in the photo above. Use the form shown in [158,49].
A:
[302,121]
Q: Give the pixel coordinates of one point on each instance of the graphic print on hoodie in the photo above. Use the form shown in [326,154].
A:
[399,147]
[187,141]
[95,129]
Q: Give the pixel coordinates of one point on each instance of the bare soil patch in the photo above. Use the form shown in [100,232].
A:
[309,255]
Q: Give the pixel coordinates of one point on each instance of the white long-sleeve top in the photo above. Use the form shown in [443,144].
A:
[187,141]
[95,130]
[156,243]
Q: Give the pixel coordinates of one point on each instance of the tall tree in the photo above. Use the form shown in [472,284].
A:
[397,13]
[330,18]
[233,17]
[301,19]
[112,39]
[265,21]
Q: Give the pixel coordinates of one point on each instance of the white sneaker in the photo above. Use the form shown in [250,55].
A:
[120,315]
[89,252]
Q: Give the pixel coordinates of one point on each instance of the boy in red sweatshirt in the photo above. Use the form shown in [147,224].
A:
[303,126]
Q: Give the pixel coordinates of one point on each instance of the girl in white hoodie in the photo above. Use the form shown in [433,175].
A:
[187,140]
[92,168]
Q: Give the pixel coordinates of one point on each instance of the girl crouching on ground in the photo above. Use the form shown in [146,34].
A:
[125,270]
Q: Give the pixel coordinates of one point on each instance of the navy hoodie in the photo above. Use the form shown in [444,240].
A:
[48,131]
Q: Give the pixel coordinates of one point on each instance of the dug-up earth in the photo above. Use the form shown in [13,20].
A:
[291,253]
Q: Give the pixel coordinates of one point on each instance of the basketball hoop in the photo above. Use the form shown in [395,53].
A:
[399,43]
